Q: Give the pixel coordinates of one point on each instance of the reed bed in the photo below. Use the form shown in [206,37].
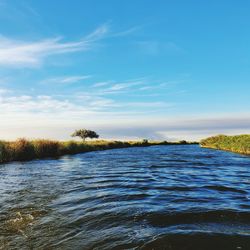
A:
[238,143]
[24,150]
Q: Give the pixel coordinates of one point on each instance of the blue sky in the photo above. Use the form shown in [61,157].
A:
[128,69]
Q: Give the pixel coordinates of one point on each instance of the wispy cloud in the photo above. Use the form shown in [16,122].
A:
[97,103]
[127,32]
[101,84]
[112,87]
[152,47]
[44,107]
[18,53]
[75,106]
[125,85]
[99,33]
[139,86]
[150,104]
[65,79]
[3,91]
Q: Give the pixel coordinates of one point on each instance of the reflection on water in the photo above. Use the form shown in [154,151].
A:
[160,197]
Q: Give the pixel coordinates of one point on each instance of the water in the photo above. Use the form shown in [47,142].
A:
[160,197]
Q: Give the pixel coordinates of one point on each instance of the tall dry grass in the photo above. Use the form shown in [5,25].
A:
[22,149]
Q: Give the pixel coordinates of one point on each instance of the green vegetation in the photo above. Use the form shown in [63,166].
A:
[238,144]
[23,150]
[85,133]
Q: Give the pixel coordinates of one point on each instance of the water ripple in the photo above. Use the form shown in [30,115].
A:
[160,197]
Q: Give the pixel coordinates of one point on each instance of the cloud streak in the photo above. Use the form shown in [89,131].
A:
[73,106]
[65,79]
[16,53]
[127,32]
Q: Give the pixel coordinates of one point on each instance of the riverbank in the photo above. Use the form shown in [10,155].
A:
[237,144]
[25,150]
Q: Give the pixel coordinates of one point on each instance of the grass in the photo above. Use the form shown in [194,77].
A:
[238,143]
[24,150]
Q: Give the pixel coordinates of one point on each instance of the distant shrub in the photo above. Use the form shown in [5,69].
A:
[85,133]
[183,142]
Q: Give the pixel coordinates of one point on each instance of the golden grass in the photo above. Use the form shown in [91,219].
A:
[22,149]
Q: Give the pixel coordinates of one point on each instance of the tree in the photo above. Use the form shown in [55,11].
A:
[85,133]
[183,142]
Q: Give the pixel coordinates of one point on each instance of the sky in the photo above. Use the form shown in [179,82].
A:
[162,70]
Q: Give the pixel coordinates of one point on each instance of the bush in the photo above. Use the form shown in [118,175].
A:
[85,133]
[183,142]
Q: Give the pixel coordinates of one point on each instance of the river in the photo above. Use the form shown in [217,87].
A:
[159,197]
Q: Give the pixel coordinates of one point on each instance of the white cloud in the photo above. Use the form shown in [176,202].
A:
[147,105]
[123,86]
[18,53]
[138,85]
[73,107]
[3,91]
[101,84]
[98,33]
[126,32]
[73,79]
[65,79]
[38,105]
[123,126]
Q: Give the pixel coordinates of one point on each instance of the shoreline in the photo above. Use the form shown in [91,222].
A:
[23,150]
[227,150]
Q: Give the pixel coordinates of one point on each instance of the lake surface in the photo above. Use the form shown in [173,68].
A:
[159,197]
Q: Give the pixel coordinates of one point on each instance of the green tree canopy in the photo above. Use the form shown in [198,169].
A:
[85,133]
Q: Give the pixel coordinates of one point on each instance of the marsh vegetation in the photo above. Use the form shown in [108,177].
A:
[238,143]
[23,149]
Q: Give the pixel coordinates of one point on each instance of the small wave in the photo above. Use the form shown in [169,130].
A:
[165,219]
[225,189]
[176,188]
[198,241]
[146,198]
[160,166]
